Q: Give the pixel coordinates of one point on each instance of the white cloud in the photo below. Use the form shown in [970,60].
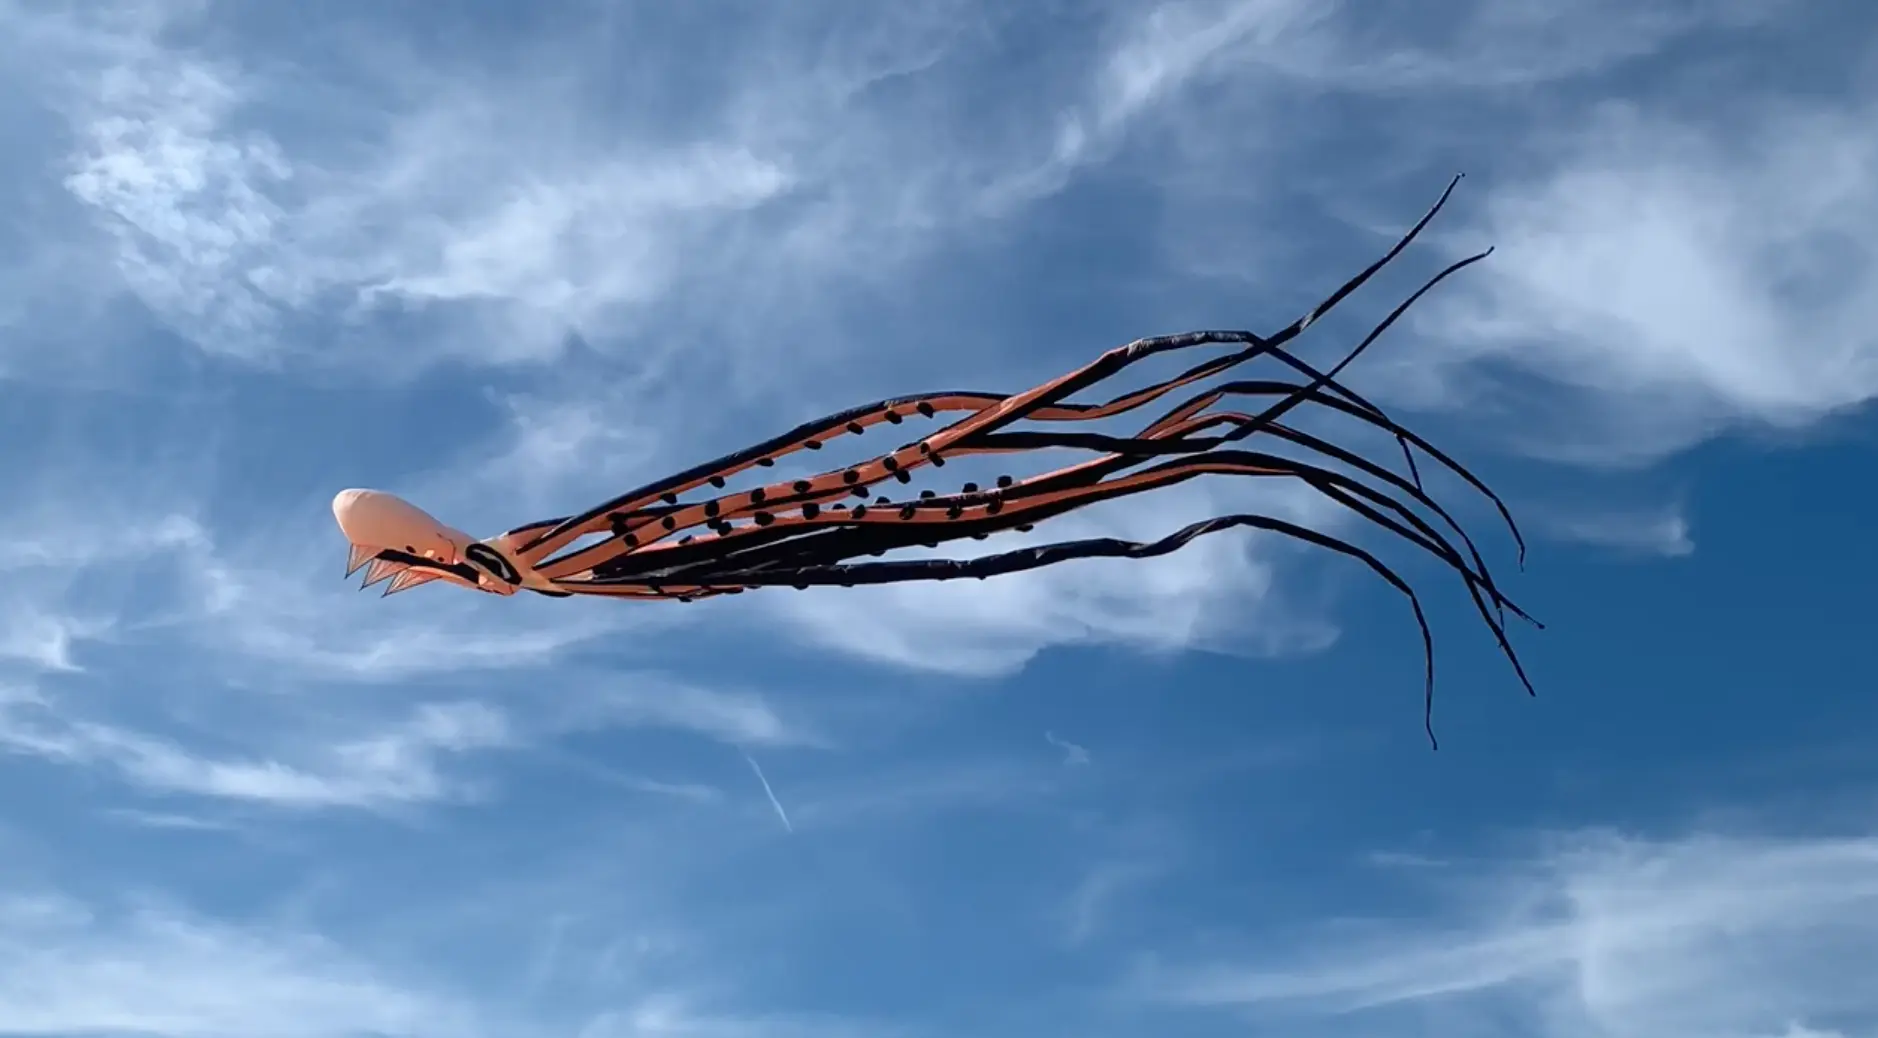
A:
[71,968]
[50,533]
[1073,754]
[148,966]
[1260,65]
[678,1015]
[1150,60]
[64,563]
[1661,531]
[1684,277]
[225,233]
[1602,937]
[694,792]
[452,201]
[381,765]
[653,701]
[167,820]
[189,206]
[44,640]
[1401,45]
[558,450]
[1158,51]
[397,766]
[574,247]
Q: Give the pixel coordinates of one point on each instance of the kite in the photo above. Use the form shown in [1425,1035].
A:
[665,541]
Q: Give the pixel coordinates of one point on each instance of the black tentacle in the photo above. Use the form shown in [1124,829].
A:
[893,572]
[805,532]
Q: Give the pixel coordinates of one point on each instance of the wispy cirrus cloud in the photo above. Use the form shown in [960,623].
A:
[652,700]
[70,966]
[1073,753]
[1257,55]
[1661,531]
[235,237]
[68,564]
[384,764]
[67,967]
[395,767]
[1685,279]
[238,234]
[503,234]
[44,639]
[1601,936]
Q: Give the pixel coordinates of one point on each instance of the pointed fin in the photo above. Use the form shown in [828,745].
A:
[381,569]
[357,557]
[410,578]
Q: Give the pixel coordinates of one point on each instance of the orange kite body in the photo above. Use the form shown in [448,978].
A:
[687,537]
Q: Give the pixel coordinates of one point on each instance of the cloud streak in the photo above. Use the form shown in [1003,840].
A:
[394,767]
[1683,278]
[1603,936]
[1072,753]
[1662,532]
[71,968]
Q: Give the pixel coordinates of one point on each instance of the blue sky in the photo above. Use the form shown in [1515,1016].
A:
[510,259]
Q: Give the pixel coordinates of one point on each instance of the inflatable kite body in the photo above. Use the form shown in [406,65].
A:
[687,537]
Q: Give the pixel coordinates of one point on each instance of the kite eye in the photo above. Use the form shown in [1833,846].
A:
[492,561]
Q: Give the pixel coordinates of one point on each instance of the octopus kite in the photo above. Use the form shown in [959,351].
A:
[662,542]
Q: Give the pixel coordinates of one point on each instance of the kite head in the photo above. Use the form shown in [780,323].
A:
[395,540]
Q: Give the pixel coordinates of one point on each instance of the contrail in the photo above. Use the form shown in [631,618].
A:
[768,792]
